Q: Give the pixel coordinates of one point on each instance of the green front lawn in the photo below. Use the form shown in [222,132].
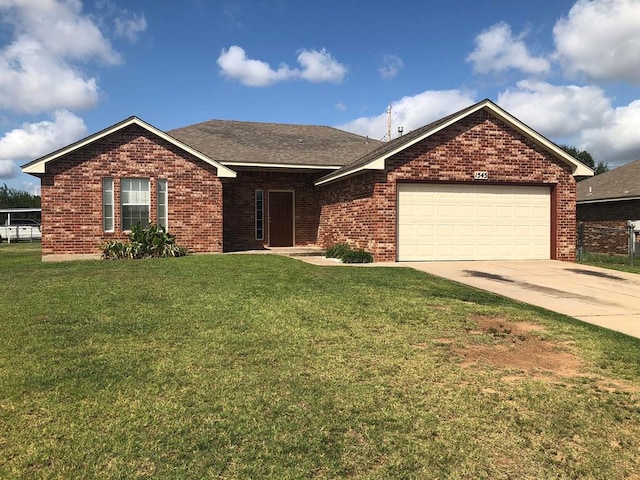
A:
[266,367]
[614,262]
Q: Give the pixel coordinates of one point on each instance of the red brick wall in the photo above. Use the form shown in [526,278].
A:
[354,211]
[239,207]
[478,142]
[605,225]
[72,193]
[606,236]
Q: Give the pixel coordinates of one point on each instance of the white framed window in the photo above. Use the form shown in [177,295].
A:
[259,215]
[163,203]
[107,205]
[134,199]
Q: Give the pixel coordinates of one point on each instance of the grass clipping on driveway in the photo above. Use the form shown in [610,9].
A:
[266,367]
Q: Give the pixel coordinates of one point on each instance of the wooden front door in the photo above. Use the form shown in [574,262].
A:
[281,219]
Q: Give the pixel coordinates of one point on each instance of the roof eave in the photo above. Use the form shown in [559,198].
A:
[281,165]
[607,200]
[38,166]
[377,164]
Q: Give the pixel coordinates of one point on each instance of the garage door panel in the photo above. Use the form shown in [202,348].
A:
[426,230]
[484,231]
[444,250]
[423,210]
[484,211]
[524,230]
[504,233]
[466,211]
[505,211]
[467,222]
[446,210]
[446,230]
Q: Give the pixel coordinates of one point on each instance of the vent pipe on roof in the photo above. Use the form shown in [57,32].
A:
[388,123]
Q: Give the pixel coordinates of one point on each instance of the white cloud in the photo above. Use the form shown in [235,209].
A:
[60,28]
[33,140]
[32,80]
[578,115]
[235,65]
[391,65]
[556,111]
[582,116]
[411,112]
[317,66]
[8,169]
[615,142]
[130,26]
[40,66]
[600,39]
[497,51]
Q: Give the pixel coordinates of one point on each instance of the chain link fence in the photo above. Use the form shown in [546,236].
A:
[601,243]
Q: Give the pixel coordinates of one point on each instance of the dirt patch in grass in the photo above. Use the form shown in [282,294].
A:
[514,346]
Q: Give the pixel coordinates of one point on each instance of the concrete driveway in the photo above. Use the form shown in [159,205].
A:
[604,297]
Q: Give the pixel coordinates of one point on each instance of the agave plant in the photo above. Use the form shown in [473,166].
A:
[144,242]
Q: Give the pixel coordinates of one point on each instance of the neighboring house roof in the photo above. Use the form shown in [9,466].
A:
[38,166]
[375,160]
[622,183]
[256,144]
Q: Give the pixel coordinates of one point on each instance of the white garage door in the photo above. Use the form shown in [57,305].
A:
[473,222]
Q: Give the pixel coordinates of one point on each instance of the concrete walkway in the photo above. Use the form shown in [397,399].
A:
[600,296]
[603,297]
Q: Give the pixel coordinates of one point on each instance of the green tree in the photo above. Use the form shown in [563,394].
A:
[601,167]
[586,158]
[14,198]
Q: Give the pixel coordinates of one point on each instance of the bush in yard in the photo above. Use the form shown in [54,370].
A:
[344,252]
[357,256]
[115,249]
[144,242]
[337,250]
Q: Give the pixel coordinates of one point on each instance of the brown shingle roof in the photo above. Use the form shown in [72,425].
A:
[619,183]
[232,142]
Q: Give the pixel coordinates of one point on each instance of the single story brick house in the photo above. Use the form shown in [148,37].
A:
[477,184]
[606,204]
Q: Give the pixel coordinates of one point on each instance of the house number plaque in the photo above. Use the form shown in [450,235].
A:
[481,175]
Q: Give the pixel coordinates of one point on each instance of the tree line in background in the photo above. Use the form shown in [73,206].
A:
[14,198]
[586,158]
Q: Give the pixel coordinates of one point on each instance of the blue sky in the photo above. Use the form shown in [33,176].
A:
[569,69]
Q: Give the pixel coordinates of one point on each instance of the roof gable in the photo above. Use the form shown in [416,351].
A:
[38,166]
[375,160]
[622,183]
